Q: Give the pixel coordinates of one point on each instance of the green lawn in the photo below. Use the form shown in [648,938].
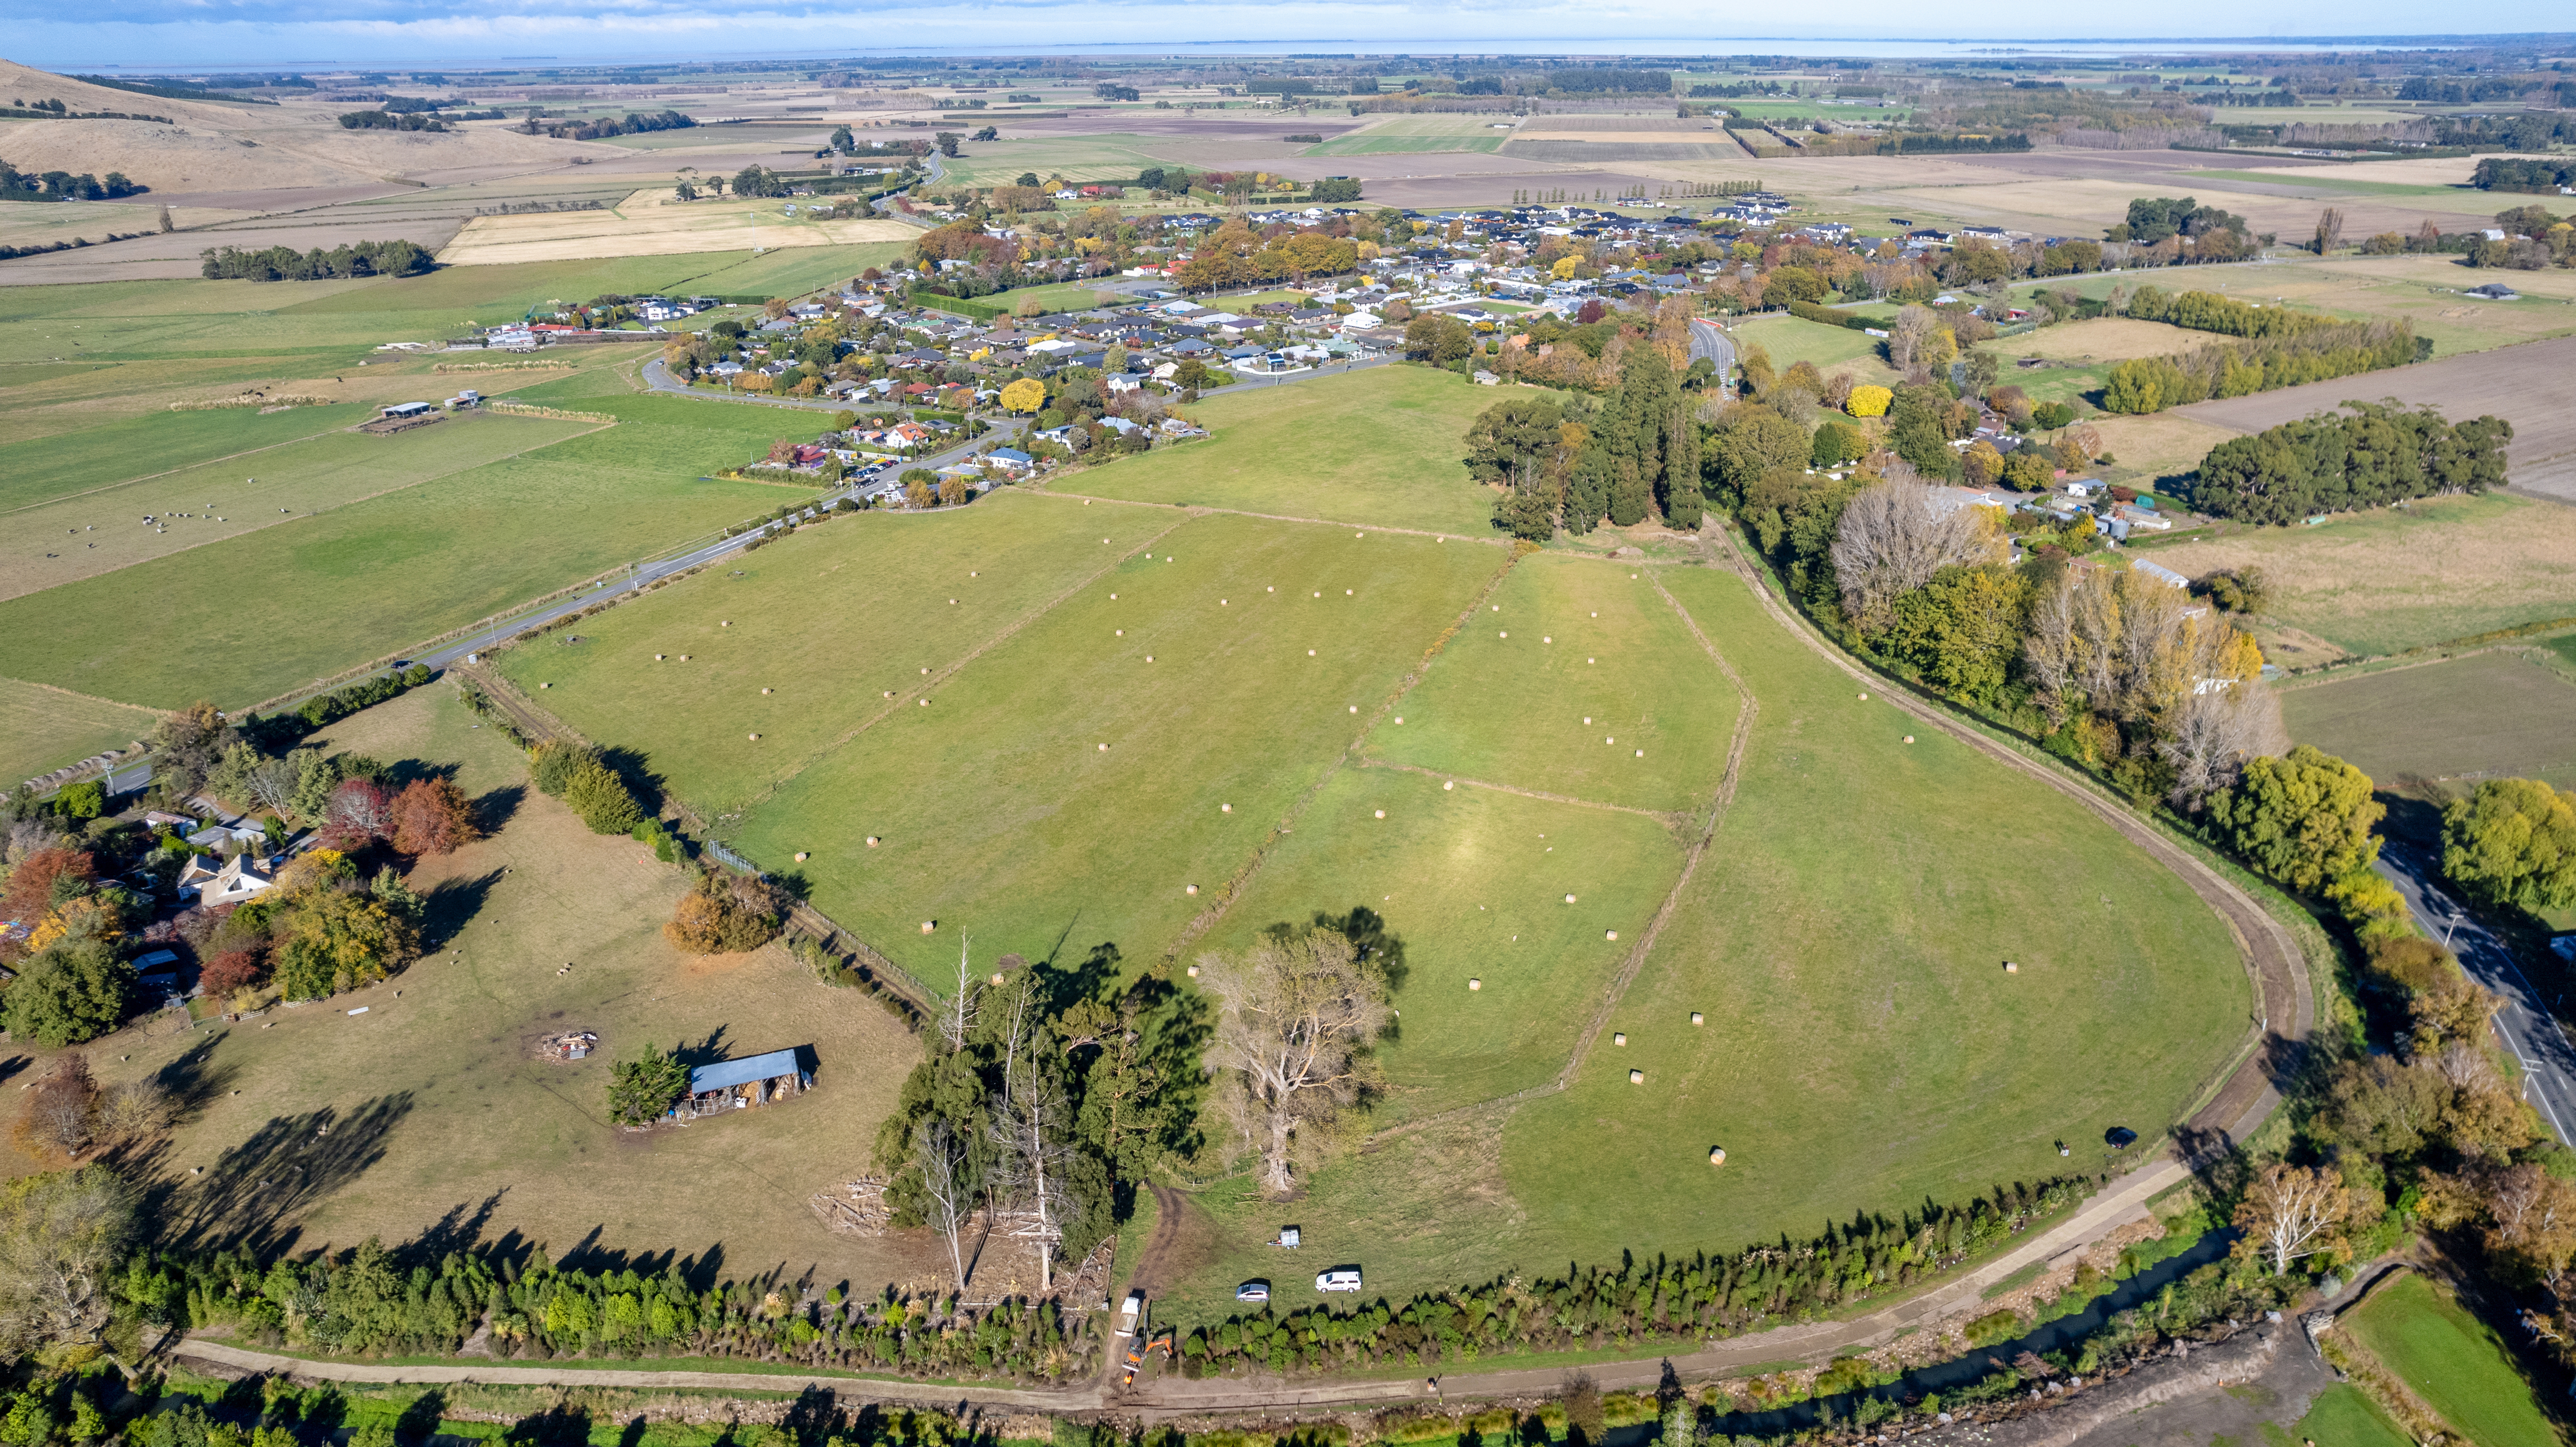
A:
[2455,1362]
[2493,715]
[1795,339]
[1600,669]
[1862,1047]
[2342,1416]
[1002,817]
[42,729]
[1103,157]
[1383,446]
[250,617]
[2342,180]
[890,576]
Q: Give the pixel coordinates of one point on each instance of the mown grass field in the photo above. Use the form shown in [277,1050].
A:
[1791,340]
[1110,156]
[344,586]
[1385,446]
[2424,291]
[1404,135]
[42,729]
[2375,583]
[69,464]
[441,1110]
[2455,1362]
[2343,1416]
[2435,729]
[1843,941]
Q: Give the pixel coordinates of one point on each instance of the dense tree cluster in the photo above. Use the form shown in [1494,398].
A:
[2538,175]
[2319,352]
[631,124]
[367,1302]
[1573,463]
[2207,311]
[285,263]
[2370,456]
[386,120]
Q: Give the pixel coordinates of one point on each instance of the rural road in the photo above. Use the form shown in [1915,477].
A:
[2525,1024]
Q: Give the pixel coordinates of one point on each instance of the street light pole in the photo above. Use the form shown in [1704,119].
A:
[2456,917]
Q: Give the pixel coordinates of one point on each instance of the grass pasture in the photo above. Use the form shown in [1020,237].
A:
[1109,156]
[2456,1363]
[2375,583]
[892,575]
[656,223]
[42,729]
[1843,941]
[2434,729]
[441,1108]
[1407,135]
[1591,693]
[1383,447]
[1004,819]
[102,530]
[2423,291]
[70,464]
[347,585]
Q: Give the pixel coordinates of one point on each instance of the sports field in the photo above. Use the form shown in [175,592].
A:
[442,1112]
[2455,1362]
[2435,729]
[1384,446]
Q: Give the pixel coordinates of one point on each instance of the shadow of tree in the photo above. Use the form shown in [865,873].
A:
[498,807]
[447,907]
[251,1197]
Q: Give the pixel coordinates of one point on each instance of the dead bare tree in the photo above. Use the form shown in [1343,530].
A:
[1028,1128]
[945,1188]
[957,1021]
[1894,537]
[2290,1213]
[60,1238]
[2213,731]
[1296,1017]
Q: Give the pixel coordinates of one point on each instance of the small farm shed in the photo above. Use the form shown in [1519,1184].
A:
[740,1084]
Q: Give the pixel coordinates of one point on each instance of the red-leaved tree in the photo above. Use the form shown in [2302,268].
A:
[40,881]
[226,973]
[360,813]
[433,816]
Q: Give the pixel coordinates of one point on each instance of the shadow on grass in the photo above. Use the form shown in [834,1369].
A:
[252,1197]
[498,807]
[446,908]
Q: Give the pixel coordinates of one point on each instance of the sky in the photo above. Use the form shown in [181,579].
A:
[198,34]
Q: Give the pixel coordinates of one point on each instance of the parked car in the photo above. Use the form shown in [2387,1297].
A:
[1340,1278]
[1253,1291]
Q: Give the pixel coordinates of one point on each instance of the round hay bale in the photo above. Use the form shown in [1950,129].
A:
[800,856]
[1346,592]
[657,658]
[1381,813]
[889,693]
[684,658]
[1104,748]
[1696,1019]
[1190,889]
[1636,1077]
[1194,972]
[1609,934]
[2011,969]
[928,925]
[1619,1037]
[1544,639]
[1592,660]
[1609,738]
[1121,632]
[1909,738]
[925,673]
[1498,607]
[1225,808]
[1310,653]
[1506,633]
[1319,595]
[755,738]
[1569,899]
[1399,718]
[1641,753]
[874,841]
[764,693]
[925,703]
[974,574]
[1149,658]
[1587,718]
[1717,1155]
[1270,590]
[1220,602]
[545,685]
[1864,698]
[1355,708]
[1112,597]
[1475,984]
[952,602]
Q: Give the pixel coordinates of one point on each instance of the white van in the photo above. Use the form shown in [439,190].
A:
[1340,1278]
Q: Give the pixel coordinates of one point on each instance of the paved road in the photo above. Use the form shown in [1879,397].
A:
[2525,1023]
[659,378]
[1710,340]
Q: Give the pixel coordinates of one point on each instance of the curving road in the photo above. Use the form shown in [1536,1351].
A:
[2525,1025]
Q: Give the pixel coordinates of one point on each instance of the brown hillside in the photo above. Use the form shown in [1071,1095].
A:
[22,83]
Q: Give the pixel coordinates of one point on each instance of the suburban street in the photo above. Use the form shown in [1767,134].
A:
[1710,341]
[2525,1024]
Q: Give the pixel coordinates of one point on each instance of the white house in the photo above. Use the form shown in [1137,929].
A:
[235,880]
